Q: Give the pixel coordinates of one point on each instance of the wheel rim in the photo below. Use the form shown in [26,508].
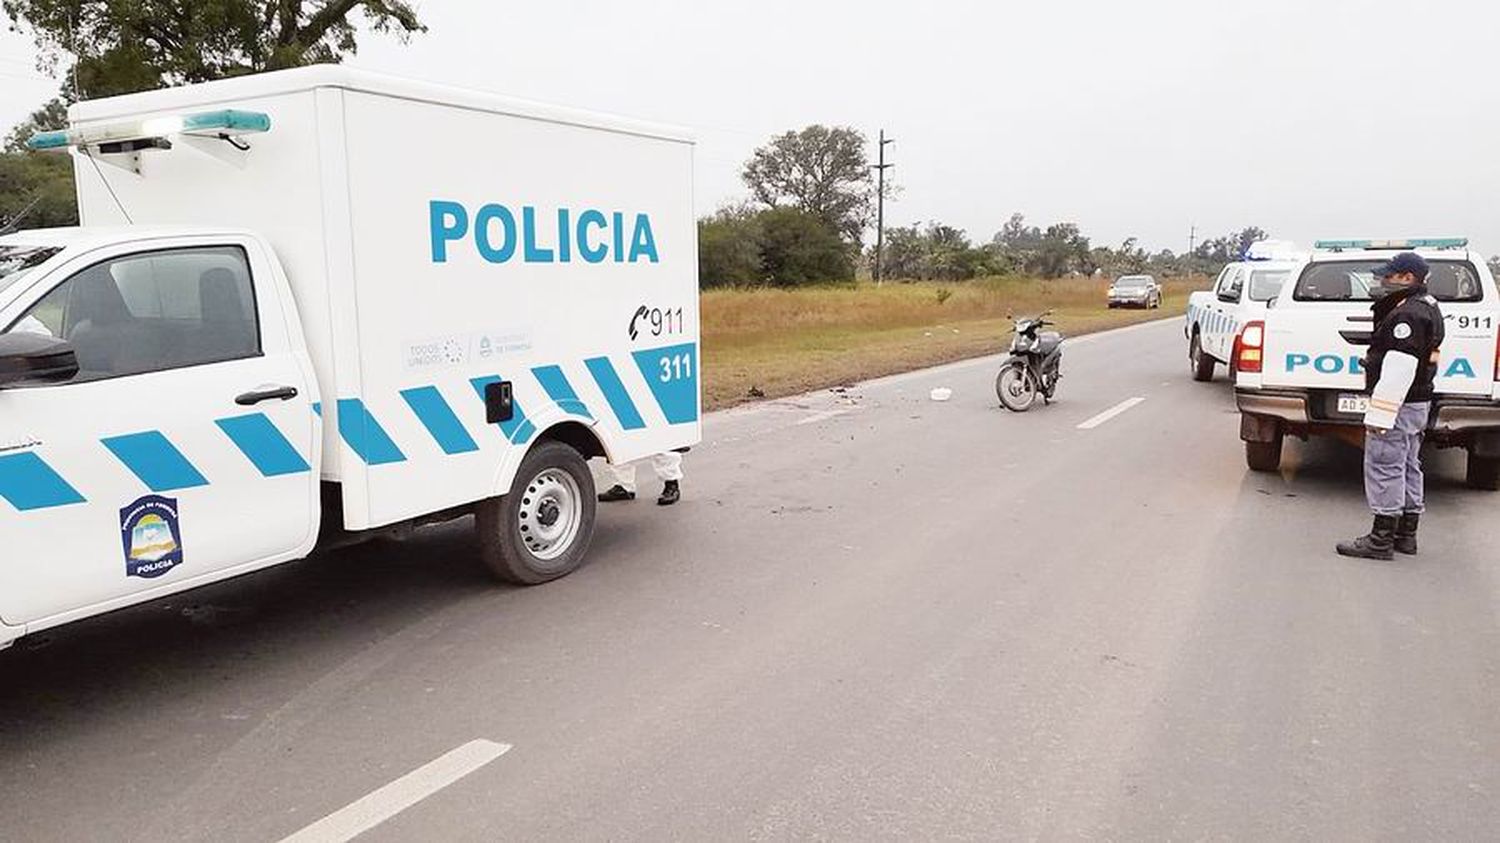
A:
[1195,352]
[1015,386]
[551,514]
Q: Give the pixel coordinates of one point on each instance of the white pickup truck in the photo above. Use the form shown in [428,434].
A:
[1299,370]
[311,307]
[1239,296]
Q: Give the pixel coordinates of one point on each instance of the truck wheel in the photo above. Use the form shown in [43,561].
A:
[1484,473]
[541,530]
[1264,456]
[1201,364]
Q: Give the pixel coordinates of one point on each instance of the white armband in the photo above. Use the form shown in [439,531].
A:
[1397,373]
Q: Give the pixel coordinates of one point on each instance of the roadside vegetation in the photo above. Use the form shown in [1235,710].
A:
[768,342]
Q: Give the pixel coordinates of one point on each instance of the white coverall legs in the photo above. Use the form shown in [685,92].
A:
[668,466]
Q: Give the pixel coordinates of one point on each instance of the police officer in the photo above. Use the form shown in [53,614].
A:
[1399,371]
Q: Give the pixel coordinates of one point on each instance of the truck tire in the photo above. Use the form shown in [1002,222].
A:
[1264,456]
[1201,364]
[1484,473]
[541,530]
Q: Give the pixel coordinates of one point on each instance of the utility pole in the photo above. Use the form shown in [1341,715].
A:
[880,169]
[1192,239]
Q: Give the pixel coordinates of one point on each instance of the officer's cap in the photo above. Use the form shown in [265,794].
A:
[1402,263]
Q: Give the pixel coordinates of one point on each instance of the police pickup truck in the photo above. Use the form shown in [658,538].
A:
[1299,370]
[315,306]
[1238,297]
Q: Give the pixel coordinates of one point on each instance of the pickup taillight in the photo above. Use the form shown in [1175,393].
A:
[1248,347]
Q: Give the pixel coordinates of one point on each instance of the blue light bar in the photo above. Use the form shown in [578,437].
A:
[1409,243]
[226,122]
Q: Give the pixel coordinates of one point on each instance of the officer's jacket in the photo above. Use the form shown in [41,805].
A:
[1408,321]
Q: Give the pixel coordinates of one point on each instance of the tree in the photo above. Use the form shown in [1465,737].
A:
[729,248]
[123,46]
[53,115]
[798,247]
[40,187]
[1063,249]
[821,171]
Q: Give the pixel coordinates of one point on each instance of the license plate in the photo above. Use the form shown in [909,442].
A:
[1354,403]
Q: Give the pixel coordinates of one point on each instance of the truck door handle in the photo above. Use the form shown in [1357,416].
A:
[269,393]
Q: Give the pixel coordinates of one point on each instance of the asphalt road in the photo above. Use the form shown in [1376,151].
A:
[872,616]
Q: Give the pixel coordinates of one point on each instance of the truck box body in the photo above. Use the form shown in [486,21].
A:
[437,241]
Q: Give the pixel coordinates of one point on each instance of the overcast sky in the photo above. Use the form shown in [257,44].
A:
[1312,118]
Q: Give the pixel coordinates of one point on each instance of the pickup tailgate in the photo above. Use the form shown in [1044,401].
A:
[1321,345]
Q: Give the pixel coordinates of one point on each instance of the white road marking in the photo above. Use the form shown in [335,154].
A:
[823,416]
[374,809]
[1110,413]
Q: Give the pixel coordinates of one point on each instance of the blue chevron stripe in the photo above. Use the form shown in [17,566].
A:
[615,392]
[438,417]
[27,482]
[560,390]
[265,446]
[155,460]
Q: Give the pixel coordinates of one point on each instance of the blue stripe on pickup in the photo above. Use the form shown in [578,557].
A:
[265,446]
[439,419]
[155,460]
[364,435]
[560,390]
[28,482]
[615,392]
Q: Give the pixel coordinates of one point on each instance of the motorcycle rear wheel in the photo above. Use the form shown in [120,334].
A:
[1016,388]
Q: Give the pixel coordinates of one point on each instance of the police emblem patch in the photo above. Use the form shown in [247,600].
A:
[1402,331]
[152,537]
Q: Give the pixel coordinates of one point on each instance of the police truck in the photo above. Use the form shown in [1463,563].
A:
[310,307]
[1299,369]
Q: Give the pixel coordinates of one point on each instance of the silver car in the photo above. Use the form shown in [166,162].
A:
[1135,291]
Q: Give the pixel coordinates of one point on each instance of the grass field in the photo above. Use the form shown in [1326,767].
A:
[783,342]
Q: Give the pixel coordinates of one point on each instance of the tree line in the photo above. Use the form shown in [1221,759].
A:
[811,204]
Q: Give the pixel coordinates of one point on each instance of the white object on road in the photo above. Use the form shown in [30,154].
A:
[361,816]
[941,393]
[1110,413]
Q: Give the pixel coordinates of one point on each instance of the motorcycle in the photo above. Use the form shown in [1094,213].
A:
[1034,366]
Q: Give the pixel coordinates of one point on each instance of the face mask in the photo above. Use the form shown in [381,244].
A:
[1385,288]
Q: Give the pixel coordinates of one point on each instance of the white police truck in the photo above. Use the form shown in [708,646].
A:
[1239,296]
[314,306]
[1299,370]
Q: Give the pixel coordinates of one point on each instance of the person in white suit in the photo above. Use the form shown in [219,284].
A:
[668,466]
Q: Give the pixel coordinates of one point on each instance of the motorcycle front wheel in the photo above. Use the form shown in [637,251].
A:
[1016,387]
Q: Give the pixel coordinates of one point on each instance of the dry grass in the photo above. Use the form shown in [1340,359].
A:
[782,342]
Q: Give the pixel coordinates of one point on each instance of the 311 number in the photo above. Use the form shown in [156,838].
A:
[676,367]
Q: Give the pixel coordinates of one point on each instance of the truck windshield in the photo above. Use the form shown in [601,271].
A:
[15,261]
[1455,281]
[1265,284]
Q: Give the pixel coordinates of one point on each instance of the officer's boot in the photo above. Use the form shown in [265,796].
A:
[616,493]
[1379,544]
[1406,533]
[671,493]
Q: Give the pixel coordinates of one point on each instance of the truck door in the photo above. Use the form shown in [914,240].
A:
[1220,338]
[183,449]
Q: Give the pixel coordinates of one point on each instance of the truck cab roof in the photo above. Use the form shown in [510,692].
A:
[89,237]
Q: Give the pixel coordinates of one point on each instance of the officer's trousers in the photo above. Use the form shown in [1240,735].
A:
[1393,463]
[668,466]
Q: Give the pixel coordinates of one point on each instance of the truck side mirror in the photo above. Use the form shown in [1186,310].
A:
[35,358]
